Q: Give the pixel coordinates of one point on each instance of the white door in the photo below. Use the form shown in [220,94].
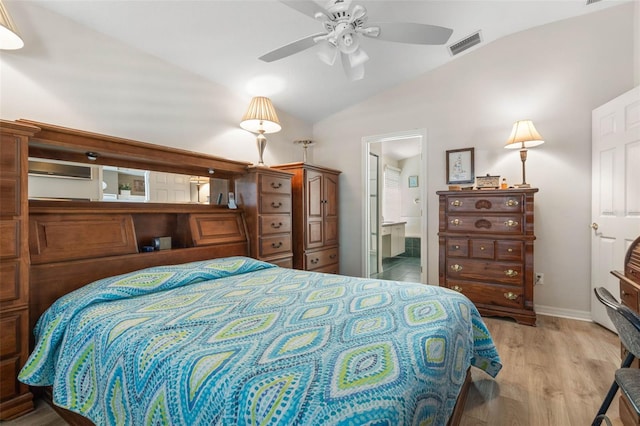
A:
[615,203]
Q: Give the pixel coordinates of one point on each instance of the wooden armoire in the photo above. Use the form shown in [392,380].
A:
[315,217]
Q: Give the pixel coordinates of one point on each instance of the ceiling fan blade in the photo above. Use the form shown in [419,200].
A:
[306,7]
[353,72]
[409,32]
[291,48]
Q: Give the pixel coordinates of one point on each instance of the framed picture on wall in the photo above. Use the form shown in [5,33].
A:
[460,166]
[413,181]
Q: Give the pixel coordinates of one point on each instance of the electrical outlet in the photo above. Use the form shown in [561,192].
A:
[539,278]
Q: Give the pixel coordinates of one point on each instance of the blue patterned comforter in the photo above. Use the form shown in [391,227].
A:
[238,341]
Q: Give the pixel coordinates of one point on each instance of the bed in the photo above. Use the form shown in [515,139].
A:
[239,341]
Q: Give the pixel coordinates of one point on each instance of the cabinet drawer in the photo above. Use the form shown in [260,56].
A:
[386,230]
[493,204]
[10,241]
[482,249]
[329,269]
[10,326]
[9,384]
[491,272]
[9,197]
[285,262]
[276,244]
[274,185]
[457,247]
[509,250]
[9,281]
[9,155]
[318,259]
[275,203]
[504,224]
[275,224]
[483,294]
[629,296]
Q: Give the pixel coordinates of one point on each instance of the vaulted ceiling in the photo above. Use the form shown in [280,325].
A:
[222,41]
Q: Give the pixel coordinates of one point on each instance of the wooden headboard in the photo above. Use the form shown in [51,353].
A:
[75,243]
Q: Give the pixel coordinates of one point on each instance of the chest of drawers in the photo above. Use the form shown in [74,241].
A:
[265,195]
[486,249]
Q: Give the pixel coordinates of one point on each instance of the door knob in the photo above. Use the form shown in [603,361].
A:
[594,226]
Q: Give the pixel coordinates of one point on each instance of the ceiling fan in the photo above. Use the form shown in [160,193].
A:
[343,27]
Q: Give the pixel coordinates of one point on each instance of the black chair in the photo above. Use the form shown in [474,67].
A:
[627,323]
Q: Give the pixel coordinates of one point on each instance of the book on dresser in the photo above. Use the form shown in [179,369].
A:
[486,243]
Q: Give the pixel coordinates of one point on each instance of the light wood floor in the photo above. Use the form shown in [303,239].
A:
[555,374]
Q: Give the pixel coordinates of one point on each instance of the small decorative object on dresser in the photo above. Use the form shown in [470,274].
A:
[486,249]
[630,296]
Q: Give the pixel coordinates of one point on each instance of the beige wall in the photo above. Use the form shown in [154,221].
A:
[555,75]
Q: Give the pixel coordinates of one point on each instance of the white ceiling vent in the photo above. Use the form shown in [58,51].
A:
[592,2]
[466,43]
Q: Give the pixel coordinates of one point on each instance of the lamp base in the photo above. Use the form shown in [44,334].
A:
[522,185]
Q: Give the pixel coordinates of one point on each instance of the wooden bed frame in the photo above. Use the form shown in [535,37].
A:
[72,243]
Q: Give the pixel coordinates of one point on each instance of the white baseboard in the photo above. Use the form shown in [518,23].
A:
[564,313]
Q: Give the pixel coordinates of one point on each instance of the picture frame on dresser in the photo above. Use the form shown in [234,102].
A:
[460,166]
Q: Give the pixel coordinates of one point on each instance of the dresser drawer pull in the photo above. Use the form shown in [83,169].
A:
[510,295]
[510,250]
[456,247]
[276,185]
[276,225]
[511,223]
[512,203]
[333,256]
[511,273]
[314,261]
[456,222]
[481,248]
[275,246]
[456,268]
[457,288]
[456,203]
[276,205]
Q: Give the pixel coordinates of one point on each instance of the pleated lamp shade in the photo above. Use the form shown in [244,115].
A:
[9,38]
[524,135]
[261,116]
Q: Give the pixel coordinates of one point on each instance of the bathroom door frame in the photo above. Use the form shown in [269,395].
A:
[421,134]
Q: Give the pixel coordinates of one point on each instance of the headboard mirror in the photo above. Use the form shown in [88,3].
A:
[73,164]
[64,180]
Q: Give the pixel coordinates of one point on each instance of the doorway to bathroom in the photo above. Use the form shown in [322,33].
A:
[395,219]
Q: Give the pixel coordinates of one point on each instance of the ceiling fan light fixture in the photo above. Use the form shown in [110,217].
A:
[327,53]
[357,58]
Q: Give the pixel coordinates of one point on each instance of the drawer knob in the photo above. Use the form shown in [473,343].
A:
[276,205]
[332,256]
[510,250]
[512,203]
[481,248]
[511,273]
[510,295]
[276,225]
[511,223]
[456,247]
[456,268]
[456,222]
[456,203]
[457,288]
[314,261]
[278,245]
[276,185]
